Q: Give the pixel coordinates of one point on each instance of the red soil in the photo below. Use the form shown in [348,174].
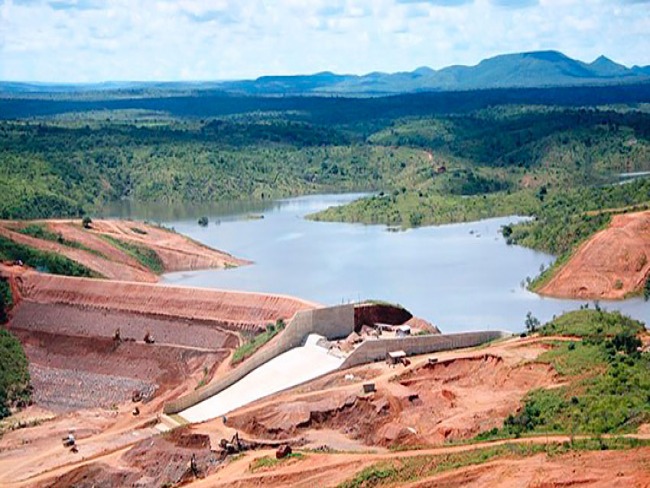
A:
[71,372]
[176,251]
[67,326]
[158,461]
[612,264]
[597,469]
[238,310]
[431,404]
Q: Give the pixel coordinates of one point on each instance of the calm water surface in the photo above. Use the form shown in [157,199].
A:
[459,277]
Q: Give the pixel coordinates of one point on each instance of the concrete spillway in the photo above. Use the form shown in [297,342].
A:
[284,371]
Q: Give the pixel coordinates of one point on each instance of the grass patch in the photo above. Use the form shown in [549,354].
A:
[414,468]
[204,379]
[267,462]
[145,256]
[249,348]
[47,262]
[575,358]
[591,324]
[373,301]
[607,388]
[40,231]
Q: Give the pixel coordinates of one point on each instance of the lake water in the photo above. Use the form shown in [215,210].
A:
[459,277]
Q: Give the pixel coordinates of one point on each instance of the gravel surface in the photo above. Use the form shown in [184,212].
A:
[90,322]
[66,390]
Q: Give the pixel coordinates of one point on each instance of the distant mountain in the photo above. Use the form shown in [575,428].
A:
[523,70]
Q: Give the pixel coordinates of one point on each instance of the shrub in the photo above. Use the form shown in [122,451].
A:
[6,300]
[14,374]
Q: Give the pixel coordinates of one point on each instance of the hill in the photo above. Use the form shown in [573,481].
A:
[519,70]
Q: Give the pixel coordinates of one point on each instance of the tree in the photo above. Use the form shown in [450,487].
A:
[532,323]
[203,221]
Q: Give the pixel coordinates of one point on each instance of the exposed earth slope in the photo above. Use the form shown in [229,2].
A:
[612,264]
[118,249]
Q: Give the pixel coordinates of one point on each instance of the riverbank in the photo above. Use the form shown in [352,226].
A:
[117,249]
[613,264]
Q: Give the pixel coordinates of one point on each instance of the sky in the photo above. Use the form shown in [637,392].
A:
[166,40]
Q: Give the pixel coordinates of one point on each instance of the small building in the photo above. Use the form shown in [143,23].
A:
[369,387]
[403,331]
[395,357]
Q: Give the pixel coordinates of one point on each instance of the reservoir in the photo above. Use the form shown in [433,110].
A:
[459,277]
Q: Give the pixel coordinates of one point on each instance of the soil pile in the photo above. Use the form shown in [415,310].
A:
[159,461]
[612,264]
[449,400]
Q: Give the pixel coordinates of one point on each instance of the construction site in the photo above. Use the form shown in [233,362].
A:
[135,384]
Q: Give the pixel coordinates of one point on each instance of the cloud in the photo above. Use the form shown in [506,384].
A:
[75,4]
[92,40]
[212,15]
[442,3]
[515,3]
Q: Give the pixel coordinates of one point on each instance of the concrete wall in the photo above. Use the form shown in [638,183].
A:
[376,350]
[331,322]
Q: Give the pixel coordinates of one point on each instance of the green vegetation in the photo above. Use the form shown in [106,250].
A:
[40,231]
[569,217]
[607,387]
[47,262]
[411,469]
[593,324]
[6,300]
[270,462]
[145,256]
[14,374]
[66,169]
[554,155]
[417,208]
[249,348]
[554,164]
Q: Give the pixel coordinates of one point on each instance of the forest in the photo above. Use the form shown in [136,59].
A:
[431,158]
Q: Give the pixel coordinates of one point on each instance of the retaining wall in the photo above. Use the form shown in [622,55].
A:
[376,350]
[331,322]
